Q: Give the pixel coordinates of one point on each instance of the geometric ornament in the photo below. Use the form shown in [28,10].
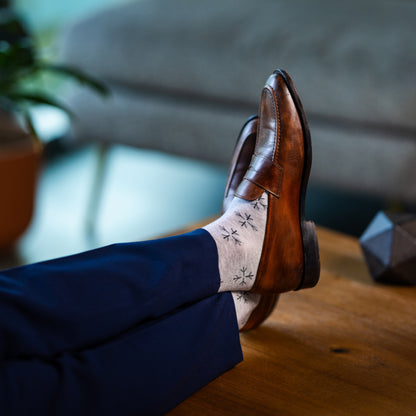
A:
[389,247]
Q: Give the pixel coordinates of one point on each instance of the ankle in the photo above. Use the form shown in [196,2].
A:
[239,236]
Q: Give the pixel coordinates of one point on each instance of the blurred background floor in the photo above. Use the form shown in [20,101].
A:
[145,194]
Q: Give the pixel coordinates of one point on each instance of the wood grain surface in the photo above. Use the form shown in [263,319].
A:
[345,347]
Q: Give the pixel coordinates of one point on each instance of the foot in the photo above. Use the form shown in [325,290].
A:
[251,309]
[279,172]
[272,249]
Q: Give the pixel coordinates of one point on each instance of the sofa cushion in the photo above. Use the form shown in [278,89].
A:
[355,159]
[350,60]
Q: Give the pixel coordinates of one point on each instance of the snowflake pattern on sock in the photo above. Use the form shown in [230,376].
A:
[259,203]
[246,220]
[230,235]
[242,276]
[243,296]
[239,235]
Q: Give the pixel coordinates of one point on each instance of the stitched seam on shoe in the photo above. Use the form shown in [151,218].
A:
[260,155]
[270,92]
[276,108]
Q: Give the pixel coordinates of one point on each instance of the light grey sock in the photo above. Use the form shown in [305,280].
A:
[239,235]
[245,303]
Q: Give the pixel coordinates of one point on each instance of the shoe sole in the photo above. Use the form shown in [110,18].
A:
[311,266]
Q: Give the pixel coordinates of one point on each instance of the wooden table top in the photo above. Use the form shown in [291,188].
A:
[346,347]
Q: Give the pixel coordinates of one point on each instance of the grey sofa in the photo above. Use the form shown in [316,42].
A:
[185,75]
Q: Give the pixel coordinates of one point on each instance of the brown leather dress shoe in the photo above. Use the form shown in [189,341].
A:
[243,152]
[280,166]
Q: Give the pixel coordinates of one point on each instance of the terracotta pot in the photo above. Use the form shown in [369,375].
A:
[19,166]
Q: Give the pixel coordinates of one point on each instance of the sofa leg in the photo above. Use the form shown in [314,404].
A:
[102,151]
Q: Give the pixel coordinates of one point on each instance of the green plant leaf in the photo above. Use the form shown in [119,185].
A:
[37,98]
[81,76]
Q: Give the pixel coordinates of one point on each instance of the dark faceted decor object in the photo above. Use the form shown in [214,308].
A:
[389,247]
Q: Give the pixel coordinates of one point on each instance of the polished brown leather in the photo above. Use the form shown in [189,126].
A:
[278,167]
[243,152]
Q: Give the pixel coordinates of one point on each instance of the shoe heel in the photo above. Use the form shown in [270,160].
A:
[312,267]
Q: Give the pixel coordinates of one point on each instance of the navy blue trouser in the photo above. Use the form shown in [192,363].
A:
[128,329]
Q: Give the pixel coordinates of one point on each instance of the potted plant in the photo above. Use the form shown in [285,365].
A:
[20,147]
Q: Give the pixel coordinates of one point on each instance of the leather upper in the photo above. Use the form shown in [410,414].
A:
[243,152]
[277,167]
[279,146]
